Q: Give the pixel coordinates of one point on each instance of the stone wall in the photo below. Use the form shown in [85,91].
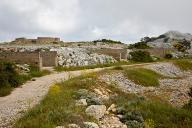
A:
[118,54]
[32,58]
[38,59]
[49,59]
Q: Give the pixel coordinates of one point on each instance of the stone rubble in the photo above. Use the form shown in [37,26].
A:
[166,69]
[80,57]
[123,83]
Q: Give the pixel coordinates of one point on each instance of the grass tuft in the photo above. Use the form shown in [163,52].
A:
[144,77]
[184,64]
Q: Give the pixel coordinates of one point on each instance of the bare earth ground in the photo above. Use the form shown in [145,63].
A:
[31,93]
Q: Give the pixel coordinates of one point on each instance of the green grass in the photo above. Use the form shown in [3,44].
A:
[4,91]
[37,73]
[183,64]
[144,77]
[74,68]
[58,107]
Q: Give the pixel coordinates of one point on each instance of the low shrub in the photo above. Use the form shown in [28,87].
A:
[10,78]
[141,56]
[118,68]
[139,45]
[168,56]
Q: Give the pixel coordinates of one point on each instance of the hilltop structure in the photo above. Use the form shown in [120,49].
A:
[39,40]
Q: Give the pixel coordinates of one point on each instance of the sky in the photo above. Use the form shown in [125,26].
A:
[85,20]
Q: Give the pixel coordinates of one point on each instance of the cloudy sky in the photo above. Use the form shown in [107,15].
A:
[82,20]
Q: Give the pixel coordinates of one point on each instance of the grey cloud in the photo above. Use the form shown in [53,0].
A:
[74,20]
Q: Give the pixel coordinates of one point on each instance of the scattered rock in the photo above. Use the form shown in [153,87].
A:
[97,111]
[166,69]
[111,122]
[60,127]
[112,108]
[81,102]
[90,125]
[123,83]
[73,126]
[102,93]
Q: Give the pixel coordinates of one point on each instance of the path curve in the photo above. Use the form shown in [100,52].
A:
[32,92]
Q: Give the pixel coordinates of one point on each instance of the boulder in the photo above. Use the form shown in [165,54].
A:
[90,125]
[111,121]
[60,127]
[73,126]
[97,111]
[81,102]
[112,108]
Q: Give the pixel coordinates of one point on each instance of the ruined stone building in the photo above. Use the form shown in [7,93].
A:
[37,59]
[39,40]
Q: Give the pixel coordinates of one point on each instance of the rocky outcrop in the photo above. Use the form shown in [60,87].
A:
[166,40]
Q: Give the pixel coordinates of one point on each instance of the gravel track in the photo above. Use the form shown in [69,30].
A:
[31,93]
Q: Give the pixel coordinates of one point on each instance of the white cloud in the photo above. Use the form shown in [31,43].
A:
[124,20]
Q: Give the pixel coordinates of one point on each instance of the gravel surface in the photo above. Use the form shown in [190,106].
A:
[30,94]
[123,83]
[166,69]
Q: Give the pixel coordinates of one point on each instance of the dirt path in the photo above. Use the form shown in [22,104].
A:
[31,93]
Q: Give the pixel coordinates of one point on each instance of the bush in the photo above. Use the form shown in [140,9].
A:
[139,45]
[168,56]
[141,56]
[9,78]
[107,41]
[118,68]
[8,75]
